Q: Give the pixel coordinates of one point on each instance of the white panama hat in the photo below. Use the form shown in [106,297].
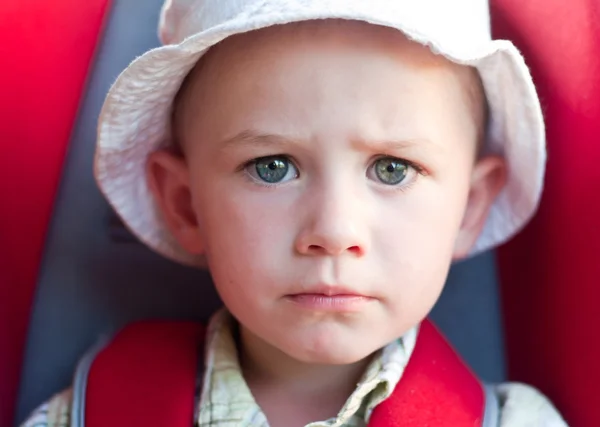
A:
[135,118]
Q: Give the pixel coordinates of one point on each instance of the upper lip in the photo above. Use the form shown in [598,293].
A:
[330,291]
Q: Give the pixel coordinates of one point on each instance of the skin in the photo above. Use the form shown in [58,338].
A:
[334,98]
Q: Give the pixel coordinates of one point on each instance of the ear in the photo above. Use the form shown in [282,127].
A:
[487,179]
[169,180]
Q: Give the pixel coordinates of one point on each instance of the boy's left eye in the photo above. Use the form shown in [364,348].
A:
[391,171]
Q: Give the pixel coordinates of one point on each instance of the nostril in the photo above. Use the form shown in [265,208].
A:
[357,251]
[317,249]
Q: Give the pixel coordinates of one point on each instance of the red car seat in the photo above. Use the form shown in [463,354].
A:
[69,272]
[46,49]
[550,272]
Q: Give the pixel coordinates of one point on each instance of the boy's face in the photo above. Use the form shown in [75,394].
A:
[329,177]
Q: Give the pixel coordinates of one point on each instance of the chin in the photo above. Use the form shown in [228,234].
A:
[336,355]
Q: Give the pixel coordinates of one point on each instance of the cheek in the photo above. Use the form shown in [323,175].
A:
[416,236]
[244,237]
[425,220]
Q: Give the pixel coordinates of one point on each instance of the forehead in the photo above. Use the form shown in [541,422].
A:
[321,70]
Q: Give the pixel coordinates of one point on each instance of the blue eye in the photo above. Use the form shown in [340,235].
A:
[391,171]
[272,170]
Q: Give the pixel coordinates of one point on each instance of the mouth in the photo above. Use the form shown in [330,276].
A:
[330,298]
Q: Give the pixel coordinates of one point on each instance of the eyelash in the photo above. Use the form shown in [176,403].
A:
[252,162]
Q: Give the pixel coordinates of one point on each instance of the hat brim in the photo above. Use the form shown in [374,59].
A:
[135,121]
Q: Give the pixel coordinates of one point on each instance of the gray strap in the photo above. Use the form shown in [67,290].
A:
[80,383]
[491,416]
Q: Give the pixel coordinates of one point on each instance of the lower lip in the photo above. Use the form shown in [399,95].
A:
[333,303]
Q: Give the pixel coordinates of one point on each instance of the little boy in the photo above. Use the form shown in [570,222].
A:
[326,160]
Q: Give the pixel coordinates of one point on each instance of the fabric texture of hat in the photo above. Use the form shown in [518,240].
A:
[135,118]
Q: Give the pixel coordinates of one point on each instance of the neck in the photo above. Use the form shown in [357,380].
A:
[278,380]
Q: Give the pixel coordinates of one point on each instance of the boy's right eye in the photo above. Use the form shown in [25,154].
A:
[272,169]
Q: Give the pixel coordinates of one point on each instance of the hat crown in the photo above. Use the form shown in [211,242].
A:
[452,23]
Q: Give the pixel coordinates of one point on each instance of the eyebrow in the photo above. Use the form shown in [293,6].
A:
[249,137]
[391,145]
[252,138]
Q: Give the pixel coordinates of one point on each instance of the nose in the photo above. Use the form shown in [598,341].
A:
[335,224]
